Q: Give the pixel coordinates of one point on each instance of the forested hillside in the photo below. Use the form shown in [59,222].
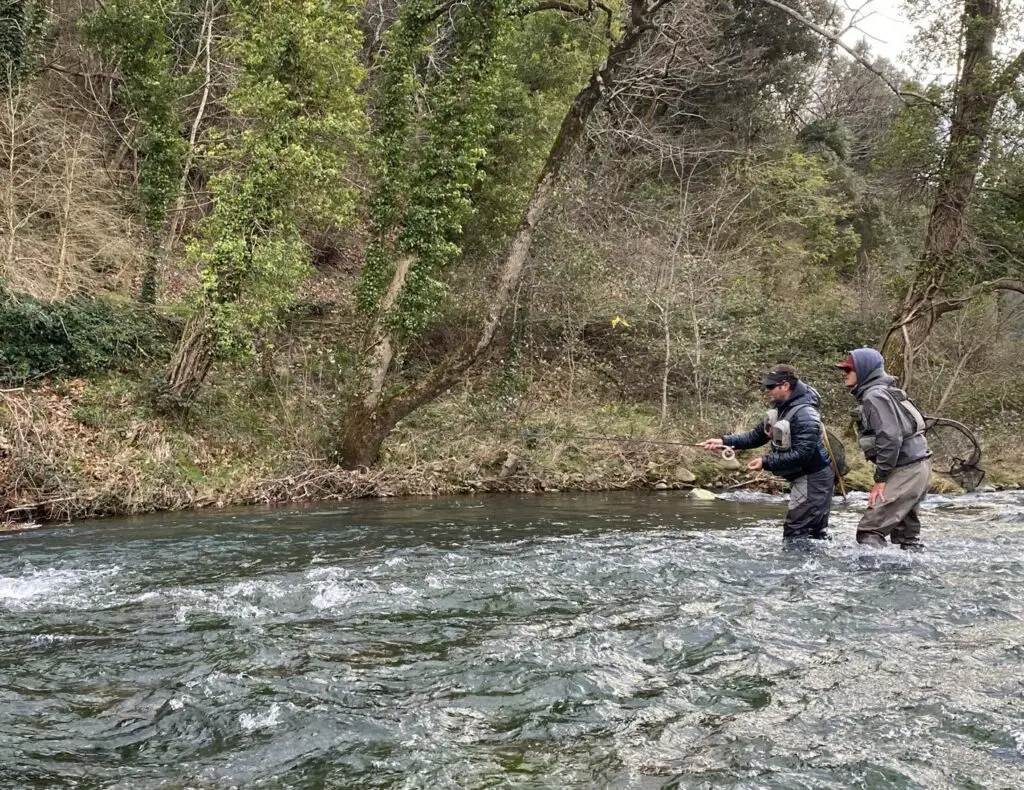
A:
[260,251]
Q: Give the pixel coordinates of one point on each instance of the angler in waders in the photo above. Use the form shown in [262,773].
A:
[797,454]
[890,431]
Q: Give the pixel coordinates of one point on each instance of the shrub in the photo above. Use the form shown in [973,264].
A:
[75,337]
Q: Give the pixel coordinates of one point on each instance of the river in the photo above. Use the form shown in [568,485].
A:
[563,641]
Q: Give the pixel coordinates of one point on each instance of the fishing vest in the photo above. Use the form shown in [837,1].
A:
[780,430]
[905,411]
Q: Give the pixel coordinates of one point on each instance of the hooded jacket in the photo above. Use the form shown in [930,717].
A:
[887,432]
[806,453]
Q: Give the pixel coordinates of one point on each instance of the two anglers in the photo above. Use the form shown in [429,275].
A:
[890,431]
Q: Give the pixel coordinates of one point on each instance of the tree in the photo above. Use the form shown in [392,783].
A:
[295,120]
[982,82]
[137,38]
[406,279]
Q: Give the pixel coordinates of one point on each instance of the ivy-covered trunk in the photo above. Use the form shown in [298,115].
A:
[370,416]
[979,89]
[193,358]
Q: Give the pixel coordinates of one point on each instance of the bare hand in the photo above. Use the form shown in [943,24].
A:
[877,494]
[712,444]
[755,464]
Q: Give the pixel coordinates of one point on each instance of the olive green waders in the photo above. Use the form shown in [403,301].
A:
[896,516]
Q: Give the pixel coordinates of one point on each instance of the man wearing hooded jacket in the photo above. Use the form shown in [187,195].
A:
[890,431]
[797,454]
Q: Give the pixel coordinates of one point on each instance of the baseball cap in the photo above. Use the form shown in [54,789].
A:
[778,375]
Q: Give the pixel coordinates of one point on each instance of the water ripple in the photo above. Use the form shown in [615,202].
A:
[620,641]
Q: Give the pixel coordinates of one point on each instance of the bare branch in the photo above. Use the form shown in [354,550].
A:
[958,302]
[835,39]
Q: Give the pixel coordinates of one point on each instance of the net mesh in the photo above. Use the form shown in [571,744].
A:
[968,477]
[836,451]
[955,452]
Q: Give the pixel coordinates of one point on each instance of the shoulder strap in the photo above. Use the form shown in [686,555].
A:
[800,407]
[905,405]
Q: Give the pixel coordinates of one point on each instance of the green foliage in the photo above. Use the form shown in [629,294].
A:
[999,217]
[547,57]
[74,337]
[801,220]
[295,121]
[912,148]
[830,134]
[23,25]
[91,415]
[428,164]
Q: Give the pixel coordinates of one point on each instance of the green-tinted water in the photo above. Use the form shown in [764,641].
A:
[621,641]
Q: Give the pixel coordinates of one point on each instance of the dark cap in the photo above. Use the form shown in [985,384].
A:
[779,375]
[847,364]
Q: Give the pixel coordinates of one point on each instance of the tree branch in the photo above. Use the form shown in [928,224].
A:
[835,39]
[54,66]
[583,12]
[958,302]
[1010,74]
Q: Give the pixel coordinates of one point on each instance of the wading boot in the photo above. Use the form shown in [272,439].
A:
[872,539]
[912,546]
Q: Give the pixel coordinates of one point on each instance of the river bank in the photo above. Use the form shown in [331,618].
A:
[83,449]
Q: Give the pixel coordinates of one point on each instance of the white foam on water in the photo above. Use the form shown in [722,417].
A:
[1018,740]
[205,602]
[256,588]
[258,721]
[67,587]
[49,640]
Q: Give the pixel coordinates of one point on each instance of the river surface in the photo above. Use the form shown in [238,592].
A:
[597,641]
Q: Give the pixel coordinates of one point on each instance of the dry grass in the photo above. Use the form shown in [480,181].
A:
[63,223]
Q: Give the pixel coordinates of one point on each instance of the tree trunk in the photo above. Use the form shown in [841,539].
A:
[978,90]
[369,417]
[193,359]
[363,431]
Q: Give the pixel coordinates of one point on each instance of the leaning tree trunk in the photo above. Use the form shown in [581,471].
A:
[978,90]
[370,417]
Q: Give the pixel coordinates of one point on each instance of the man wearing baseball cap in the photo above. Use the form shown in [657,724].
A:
[890,431]
[797,453]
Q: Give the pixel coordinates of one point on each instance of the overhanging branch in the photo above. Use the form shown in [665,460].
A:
[582,11]
[958,302]
[1009,75]
[824,32]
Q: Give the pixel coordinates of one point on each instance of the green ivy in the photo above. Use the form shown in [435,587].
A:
[296,119]
[135,36]
[74,337]
[427,165]
[23,26]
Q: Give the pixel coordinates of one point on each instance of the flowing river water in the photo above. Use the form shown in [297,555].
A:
[598,641]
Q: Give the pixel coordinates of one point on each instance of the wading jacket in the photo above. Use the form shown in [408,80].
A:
[887,433]
[804,452]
